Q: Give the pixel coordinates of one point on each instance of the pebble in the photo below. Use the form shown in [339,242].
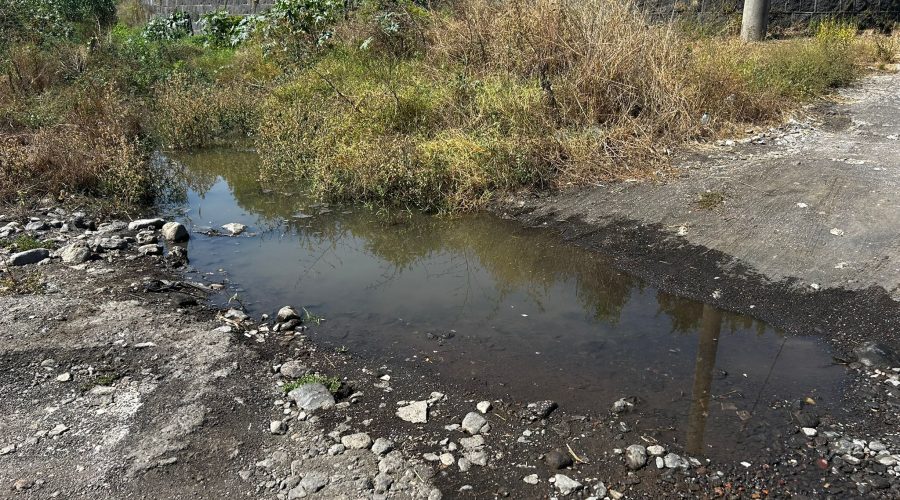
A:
[484,406]
[809,432]
[64,377]
[656,450]
[382,446]
[292,369]
[464,464]
[622,405]
[287,313]
[473,423]
[447,459]
[358,441]
[635,456]
[531,479]
[565,484]
[58,430]
[277,427]
[555,459]
[673,461]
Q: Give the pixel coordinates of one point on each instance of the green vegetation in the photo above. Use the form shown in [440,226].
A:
[25,242]
[437,106]
[332,383]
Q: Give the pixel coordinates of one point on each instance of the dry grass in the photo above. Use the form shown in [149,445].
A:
[456,104]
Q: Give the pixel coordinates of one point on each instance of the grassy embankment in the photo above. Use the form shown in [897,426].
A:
[437,108]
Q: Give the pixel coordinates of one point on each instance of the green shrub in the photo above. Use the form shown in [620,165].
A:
[172,27]
[220,28]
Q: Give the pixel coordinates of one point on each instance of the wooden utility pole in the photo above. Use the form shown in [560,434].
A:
[755,20]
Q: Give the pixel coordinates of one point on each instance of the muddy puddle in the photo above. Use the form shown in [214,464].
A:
[504,309]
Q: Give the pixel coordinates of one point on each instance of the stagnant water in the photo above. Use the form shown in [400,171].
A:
[489,301]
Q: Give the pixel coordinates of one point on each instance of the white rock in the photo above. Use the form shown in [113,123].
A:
[484,406]
[531,479]
[656,450]
[382,446]
[235,228]
[175,231]
[565,484]
[64,377]
[139,224]
[358,441]
[415,412]
[277,427]
[447,459]
[473,423]
[809,432]
[287,313]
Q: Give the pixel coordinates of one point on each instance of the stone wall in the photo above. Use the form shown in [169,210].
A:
[870,12]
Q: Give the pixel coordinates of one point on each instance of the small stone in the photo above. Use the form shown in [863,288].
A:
[137,225]
[531,479]
[635,456]
[277,427]
[29,257]
[58,430]
[416,412]
[541,409]
[311,397]
[358,441]
[484,406]
[808,432]
[64,377]
[473,423]
[293,369]
[235,228]
[656,450]
[150,249]
[622,406]
[565,484]
[660,463]
[447,459]
[600,490]
[313,482]
[556,459]
[75,253]
[877,446]
[673,461]
[287,313]
[175,232]
[886,460]
[464,464]
[382,446]
[336,449]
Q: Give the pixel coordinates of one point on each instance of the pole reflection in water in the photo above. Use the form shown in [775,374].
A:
[710,325]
